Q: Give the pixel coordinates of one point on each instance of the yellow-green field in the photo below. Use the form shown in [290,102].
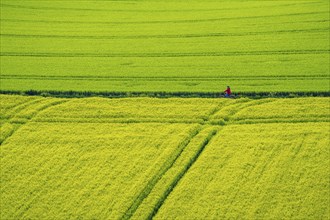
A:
[165,46]
[142,158]
[66,156]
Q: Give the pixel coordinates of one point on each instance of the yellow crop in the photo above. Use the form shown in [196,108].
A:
[259,171]
[142,158]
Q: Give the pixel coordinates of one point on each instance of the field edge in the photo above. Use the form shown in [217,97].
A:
[161,94]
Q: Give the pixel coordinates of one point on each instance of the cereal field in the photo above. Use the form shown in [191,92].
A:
[171,46]
[143,158]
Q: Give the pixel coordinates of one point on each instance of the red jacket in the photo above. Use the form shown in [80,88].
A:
[227,91]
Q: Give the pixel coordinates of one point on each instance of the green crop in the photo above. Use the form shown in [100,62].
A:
[171,46]
[143,158]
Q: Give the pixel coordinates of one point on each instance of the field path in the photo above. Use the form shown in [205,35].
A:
[201,148]
[168,179]
[25,112]
[154,180]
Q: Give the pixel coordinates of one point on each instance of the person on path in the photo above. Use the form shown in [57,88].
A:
[227,92]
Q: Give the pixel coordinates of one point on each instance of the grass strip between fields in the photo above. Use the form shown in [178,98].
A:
[161,94]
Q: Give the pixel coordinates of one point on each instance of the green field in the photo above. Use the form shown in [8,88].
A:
[171,46]
[142,158]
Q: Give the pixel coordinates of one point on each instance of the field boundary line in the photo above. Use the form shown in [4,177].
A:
[162,94]
[155,179]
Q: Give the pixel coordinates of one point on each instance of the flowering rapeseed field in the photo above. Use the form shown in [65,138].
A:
[141,158]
